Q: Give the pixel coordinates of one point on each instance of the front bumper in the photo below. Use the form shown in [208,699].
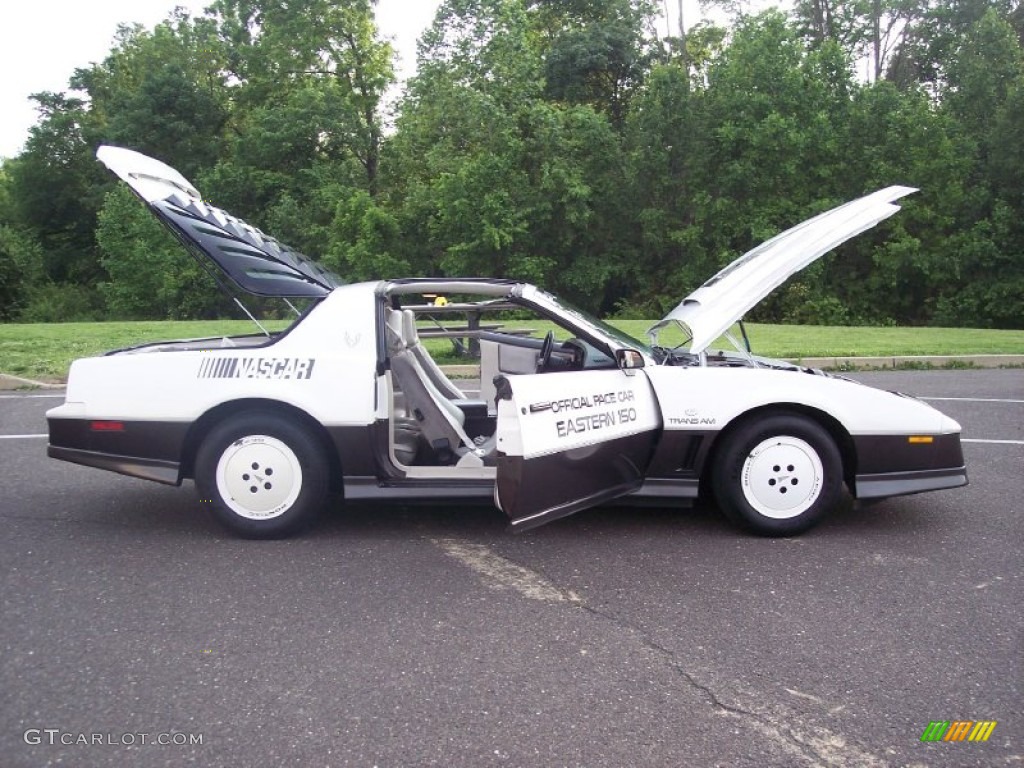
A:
[892,465]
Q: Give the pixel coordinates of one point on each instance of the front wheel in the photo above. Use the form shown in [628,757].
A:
[265,476]
[779,475]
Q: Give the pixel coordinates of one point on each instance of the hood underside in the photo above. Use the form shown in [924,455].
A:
[256,263]
[724,299]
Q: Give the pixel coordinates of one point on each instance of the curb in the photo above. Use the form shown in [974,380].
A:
[461,371]
[8,381]
[912,361]
[841,363]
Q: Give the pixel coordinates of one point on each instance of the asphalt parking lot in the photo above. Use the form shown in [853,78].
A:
[397,636]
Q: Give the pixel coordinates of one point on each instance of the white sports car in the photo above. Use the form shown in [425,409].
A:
[348,399]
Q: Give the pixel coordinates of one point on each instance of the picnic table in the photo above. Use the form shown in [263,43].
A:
[470,330]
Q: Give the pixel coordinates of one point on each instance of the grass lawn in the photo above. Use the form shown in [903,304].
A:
[792,341]
[44,351]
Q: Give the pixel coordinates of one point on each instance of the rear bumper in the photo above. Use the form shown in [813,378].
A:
[149,450]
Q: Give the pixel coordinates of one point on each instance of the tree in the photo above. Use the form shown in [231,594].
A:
[556,141]
[53,188]
[933,32]
[151,276]
[772,108]
[492,176]
[162,92]
[983,94]
[484,45]
[155,92]
[901,271]
[308,79]
[667,140]
[595,53]
[321,60]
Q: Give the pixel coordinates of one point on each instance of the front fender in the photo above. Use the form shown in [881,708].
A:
[711,398]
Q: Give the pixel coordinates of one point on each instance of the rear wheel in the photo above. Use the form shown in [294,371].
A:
[265,476]
[779,475]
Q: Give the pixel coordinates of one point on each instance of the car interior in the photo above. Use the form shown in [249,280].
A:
[439,428]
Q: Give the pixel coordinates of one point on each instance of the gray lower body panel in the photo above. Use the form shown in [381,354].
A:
[413,492]
[160,470]
[884,484]
[664,492]
[654,492]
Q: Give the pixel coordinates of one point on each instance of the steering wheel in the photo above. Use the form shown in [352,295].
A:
[545,351]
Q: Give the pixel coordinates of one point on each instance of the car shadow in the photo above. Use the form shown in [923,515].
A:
[886,517]
[178,512]
[487,521]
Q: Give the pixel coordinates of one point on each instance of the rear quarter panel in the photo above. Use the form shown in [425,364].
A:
[325,366]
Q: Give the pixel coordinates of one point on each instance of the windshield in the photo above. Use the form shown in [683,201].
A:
[587,322]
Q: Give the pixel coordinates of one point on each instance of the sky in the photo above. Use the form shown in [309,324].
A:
[42,42]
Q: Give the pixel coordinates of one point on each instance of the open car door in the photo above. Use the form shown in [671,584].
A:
[572,440]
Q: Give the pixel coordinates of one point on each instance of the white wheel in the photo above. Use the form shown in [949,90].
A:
[782,477]
[265,475]
[259,477]
[777,474]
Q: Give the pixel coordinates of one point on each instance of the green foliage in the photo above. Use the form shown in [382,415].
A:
[556,141]
[151,277]
[597,53]
[491,176]
[161,92]
[365,237]
[11,278]
[310,78]
[61,303]
[52,189]
[21,269]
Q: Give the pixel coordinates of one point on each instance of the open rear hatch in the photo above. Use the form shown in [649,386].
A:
[255,262]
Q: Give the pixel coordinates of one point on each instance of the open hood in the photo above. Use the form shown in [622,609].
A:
[256,263]
[724,299]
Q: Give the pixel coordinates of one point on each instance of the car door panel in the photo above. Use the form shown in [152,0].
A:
[572,440]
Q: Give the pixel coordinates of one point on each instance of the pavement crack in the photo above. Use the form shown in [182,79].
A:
[816,754]
[815,746]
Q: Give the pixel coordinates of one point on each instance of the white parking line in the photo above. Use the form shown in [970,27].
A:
[962,439]
[501,573]
[974,399]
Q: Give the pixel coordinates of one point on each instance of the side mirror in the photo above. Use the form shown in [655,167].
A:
[627,359]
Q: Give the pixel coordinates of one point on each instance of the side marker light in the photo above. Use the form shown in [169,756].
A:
[107,426]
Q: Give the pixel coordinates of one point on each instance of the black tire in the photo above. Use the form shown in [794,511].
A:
[778,475]
[264,476]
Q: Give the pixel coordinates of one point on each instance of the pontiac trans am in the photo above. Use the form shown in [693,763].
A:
[349,401]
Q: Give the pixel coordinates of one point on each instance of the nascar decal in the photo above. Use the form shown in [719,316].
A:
[256,368]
